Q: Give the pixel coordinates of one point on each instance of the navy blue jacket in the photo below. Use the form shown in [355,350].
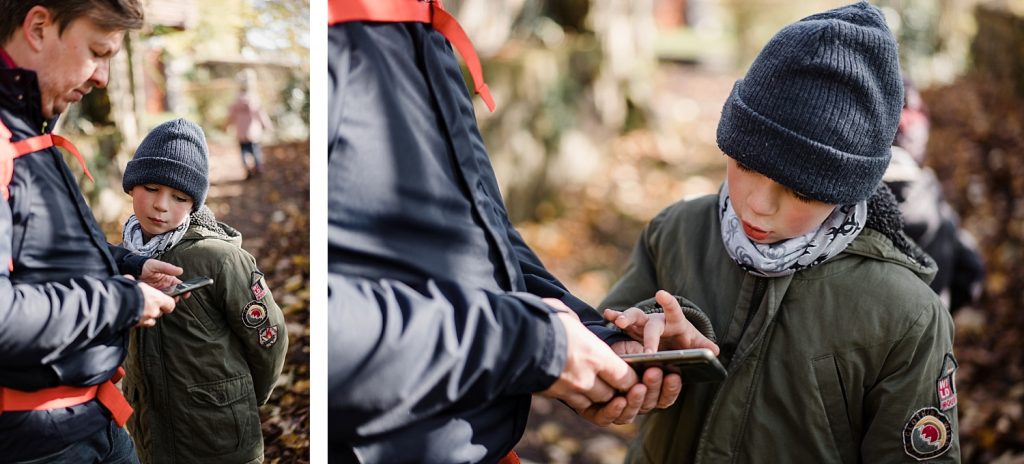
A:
[64,310]
[438,334]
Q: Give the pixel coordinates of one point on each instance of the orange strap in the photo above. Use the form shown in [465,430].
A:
[510,458]
[415,11]
[9,151]
[64,397]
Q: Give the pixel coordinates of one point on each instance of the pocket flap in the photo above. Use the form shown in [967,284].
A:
[221,392]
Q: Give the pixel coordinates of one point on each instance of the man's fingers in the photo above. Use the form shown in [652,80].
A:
[671,387]
[577,401]
[631,317]
[604,414]
[634,401]
[653,381]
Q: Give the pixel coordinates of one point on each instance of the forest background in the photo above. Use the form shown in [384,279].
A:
[607,112]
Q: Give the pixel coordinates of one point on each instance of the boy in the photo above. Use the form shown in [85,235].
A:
[836,348]
[197,378]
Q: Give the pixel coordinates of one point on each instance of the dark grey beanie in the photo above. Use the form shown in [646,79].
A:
[172,154]
[818,109]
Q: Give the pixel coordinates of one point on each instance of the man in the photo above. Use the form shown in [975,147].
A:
[65,312]
[442,321]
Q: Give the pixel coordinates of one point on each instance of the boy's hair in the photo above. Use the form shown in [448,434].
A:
[819,107]
[111,15]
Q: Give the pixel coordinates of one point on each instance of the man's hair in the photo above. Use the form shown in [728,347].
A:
[111,15]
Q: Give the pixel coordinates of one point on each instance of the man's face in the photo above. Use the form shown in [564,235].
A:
[75,62]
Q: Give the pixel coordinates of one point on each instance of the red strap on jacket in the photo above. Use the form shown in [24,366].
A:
[64,397]
[510,458]
[11,150]
[415,11]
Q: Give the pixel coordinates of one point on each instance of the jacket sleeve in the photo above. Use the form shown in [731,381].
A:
[127,262]
[397,354]
[265,338]
[42,323]
[897,406]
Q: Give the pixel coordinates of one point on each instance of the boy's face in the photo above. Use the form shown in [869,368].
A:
[159,208]
[73,63]
[771,212]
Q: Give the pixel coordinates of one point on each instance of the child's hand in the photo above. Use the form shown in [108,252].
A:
[160,274]
[666,331]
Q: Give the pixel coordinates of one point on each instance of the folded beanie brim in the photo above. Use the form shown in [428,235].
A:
[824,173]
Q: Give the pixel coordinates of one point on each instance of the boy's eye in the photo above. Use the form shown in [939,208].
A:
[180,199]
[802,198]
[148,188]
[743,167]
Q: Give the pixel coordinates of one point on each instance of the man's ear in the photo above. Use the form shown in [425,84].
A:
[34,27]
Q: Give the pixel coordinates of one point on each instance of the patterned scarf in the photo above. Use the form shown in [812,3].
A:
[134,241]
[791,255]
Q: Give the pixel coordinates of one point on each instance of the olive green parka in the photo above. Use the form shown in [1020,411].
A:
[197,378]
[833,364]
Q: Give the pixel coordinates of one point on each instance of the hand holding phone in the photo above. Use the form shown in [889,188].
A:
[694,365]
[188,286]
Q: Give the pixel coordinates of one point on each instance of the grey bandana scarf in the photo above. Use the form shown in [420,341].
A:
[789,256]
[134,242]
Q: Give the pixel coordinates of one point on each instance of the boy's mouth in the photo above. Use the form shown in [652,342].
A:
[157,220]
[753,232]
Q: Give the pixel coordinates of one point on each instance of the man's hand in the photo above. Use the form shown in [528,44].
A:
[160,274]
[156,304]
[593,375]
[666,331]
[662,390]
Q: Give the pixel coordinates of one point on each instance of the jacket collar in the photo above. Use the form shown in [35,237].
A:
[19,94]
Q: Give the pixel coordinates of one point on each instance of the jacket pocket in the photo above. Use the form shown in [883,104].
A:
[220,417]
[833,399]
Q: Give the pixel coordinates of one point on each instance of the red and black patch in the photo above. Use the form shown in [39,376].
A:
[945,386]
[928,434]
[268,336]
[258,285]
[254,314]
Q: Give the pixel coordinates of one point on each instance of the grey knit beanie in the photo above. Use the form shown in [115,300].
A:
[172,154]
[818,109]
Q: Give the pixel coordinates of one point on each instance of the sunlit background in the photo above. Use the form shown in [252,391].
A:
[607,112]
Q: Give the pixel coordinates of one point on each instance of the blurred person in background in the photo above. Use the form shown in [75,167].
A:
[250,121]
[927,217]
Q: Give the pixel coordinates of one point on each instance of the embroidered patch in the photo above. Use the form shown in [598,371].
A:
[945,386]
[927,434]
[258,285]
[254,314]
[268,336]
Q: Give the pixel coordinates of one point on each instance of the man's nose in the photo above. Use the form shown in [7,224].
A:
[101,75]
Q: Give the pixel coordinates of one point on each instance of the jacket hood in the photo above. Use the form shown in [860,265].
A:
[205,225]
[883,238]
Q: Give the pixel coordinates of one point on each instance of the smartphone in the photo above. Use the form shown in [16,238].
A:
[694,365]
[188,286]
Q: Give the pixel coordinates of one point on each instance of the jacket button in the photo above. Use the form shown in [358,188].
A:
[20,97]
[17,77]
